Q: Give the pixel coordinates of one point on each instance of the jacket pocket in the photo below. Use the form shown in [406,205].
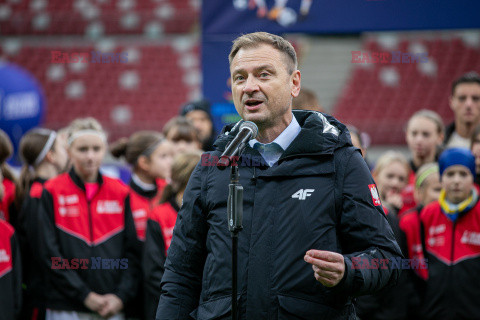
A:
[291,308]
[214,309]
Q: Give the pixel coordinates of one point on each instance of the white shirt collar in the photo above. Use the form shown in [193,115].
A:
[286,137]
[141,184]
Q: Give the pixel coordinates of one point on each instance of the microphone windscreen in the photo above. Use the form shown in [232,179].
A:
[252,126]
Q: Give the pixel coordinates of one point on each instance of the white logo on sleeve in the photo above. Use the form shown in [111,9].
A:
[4,256]
[302,194]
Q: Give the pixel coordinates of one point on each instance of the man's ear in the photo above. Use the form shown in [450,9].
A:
[296,83]
[450,102]
[143,162]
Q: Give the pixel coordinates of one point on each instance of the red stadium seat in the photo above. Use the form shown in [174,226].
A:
[96,89]
[68,17]
[383,108]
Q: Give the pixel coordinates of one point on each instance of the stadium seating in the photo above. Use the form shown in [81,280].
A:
[142,93]
[379,98]
[97,17]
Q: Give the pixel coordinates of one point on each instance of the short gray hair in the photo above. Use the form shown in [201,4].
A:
[252,40]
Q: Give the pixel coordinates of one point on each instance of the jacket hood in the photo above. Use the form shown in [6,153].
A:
[320,134]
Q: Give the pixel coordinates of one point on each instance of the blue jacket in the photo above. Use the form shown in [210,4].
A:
[279,226]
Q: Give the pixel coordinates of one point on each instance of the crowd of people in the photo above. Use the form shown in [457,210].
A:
[77,244]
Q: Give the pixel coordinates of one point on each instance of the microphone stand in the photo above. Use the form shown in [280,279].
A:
[235,217]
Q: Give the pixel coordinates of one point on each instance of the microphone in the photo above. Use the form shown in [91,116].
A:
[247,131]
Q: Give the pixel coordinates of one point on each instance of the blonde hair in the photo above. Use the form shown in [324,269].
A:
[182,168]
[424,172]
[388,158]
[253,40]
[88,123]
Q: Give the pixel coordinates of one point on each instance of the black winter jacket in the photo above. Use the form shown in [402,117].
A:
[279,226]
[33,269]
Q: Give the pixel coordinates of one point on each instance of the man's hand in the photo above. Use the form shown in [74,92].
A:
[328,267]
[113,306]
[94,301]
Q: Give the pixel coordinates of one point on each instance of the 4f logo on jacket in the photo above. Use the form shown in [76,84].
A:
[302,194]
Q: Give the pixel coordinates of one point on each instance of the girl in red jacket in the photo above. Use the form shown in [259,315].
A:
[160,228]
[45,156]
[427,190]
[10,273]
[391,176]
[88,236]
[150,156]
[7,181]
[424,135]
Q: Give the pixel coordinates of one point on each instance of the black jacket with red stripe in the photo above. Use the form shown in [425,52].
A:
[97,238]
[7,202]
[413,230]
[33,269]
[10,273]
[142,202]
[453,252]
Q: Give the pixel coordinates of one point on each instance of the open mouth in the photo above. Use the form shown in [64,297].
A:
[253,103]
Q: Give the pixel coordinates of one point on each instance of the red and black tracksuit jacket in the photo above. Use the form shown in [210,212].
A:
[413,230]
[33,269]
[87,245]
[159,235]
[142,202]
[10,273]
[452,288]
[7,204]
[407,193]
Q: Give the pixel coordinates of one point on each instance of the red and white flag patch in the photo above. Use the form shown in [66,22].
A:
[375,196]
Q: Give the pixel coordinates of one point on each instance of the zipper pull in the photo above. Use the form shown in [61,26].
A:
[254,176]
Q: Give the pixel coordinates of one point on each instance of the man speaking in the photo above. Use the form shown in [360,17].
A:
[308,209]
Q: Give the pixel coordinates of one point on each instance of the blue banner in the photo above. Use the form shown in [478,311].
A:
[224,20]
[21,104]
[338,16]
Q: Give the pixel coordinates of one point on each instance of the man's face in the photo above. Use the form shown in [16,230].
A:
[262,88]
[202,122]
[465,103]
